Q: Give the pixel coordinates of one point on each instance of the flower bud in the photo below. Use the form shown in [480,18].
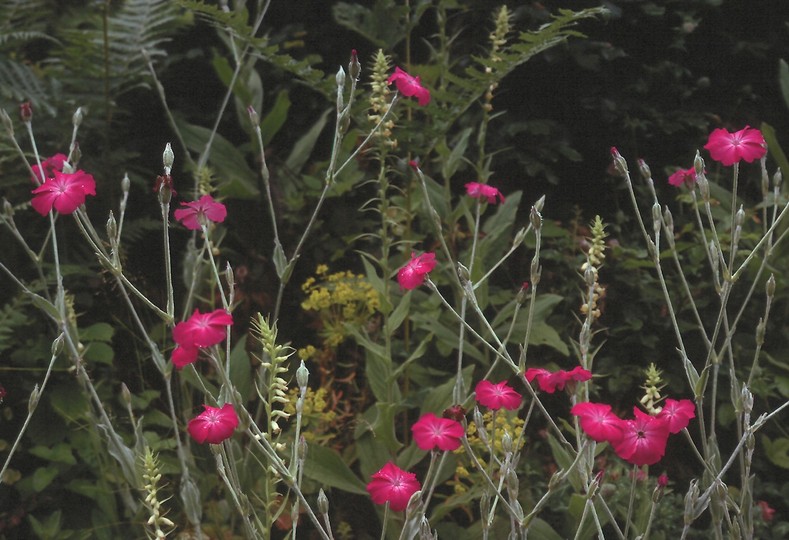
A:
[323,502]
[455,412]
[520,236]
[506,442]
[463,273]
[125,394]
[414,504]
[302,448]
[254,119]
[656,217]
[690,502]
[35,395]
[8,209]
[540,203]
[739,217]
[619,162]
[302,376]
[535,218]
[668,218]
[354,67]
[112,228]
[704,187]
[75,154]
[125,183]
[760,331]
[168,157]
[522,293]
[644,169]
[76,118]
[57,345]
[770,286]
[698,164]
[339,78]
[777,179]
[26,112]
[747,400]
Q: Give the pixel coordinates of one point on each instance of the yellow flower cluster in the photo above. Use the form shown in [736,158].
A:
[496,425]
[339,299]
[316,417]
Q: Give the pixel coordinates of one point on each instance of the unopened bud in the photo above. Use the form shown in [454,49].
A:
[323,502]
[35,395]
[760,331]
[690,502]
[8,209]
[254,119]
[340,78]
[506,442]
[540,203]
[619,162]
[520,236]
[76,118]
[522,293]
[668,218]
[125,394]
[302,448]
[535,271]
[26,112]
[168,157]
[656,217]
[747,400]
[414,504]
[590,275]
[463,273]
[512,481]
[57,345]
[535,218]
[230,277]
[302,376]
[112,227]
[75,154]
[644,169]
[704,186]
[739,217]
[698,164]
[778,177]
[770,286]
[354,67]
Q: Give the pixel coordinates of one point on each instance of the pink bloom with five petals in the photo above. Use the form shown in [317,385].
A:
[202,329]
[677,414]
[643,439]
[393,485]
[484,191]
[214,425]
[496,396]
[552,381]
[598,422]
[413,274]
[730,148]
[409,86]
[200,212]
[431,432]
[64,192]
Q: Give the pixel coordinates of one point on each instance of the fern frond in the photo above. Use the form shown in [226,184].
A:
[18,82]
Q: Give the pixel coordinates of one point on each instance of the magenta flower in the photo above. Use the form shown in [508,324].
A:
[598,422]
[431,432]
[677,414]
[200,212]
[683,176]
[496,396]
[64,192]
[183,356]
[730,148]
[214,425]
[409,86]
[202,329]
[551,381]
[412,275]
[393,485]
[643,439]
[484,191]
[49,166]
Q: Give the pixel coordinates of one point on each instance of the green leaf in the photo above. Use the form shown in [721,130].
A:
[99,352]
[229,164]
[42,477]
[280,260]
[276,117]
[240,369]
[384,425]
[440,397]
[325,465]
[455,157]
[303,148]
[783,80]
[397,317]
[543,334]
[383,25]
[775,149]
[49,528]
[777,450]
[97,332]
[60,453]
